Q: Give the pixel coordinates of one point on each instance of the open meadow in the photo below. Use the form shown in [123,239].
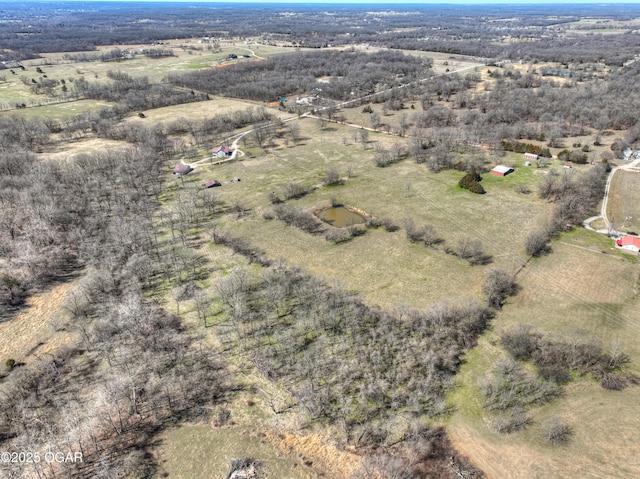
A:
[623,207]
[390,269]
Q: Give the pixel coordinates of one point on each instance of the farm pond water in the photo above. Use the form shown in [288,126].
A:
[340,216]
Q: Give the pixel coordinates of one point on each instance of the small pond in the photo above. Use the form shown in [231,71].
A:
[340,216]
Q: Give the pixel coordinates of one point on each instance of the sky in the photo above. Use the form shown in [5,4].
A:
[385,2]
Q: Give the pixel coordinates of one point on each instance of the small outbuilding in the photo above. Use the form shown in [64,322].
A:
[531,156]
[212,184]
[501,170]
[629,243]
[182,169]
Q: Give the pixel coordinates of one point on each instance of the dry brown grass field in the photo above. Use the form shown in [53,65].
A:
[32,331]
[68,149]
[623,207]
[194,451]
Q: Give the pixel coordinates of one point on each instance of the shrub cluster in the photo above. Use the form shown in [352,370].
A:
[470,250]
[387,223]
[510,388]
[573,156]
[426,234]
[471,182]
[296,217]
[289,191]
[555,358]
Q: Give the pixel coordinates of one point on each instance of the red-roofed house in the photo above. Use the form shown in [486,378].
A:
[630,243]
[212,183]
[182,169]
[220,151]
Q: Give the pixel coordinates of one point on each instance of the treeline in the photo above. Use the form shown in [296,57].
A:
[599,105]
[35,134]
[612,50]
[480,31]
[520,147]
[556,358]
[510,109]
[291,74]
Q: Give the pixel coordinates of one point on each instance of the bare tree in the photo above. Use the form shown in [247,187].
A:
[497,286]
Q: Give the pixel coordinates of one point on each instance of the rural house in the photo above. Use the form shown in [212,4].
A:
[212,184]
[501,170]
[530,156]
[630,243]
[220,151]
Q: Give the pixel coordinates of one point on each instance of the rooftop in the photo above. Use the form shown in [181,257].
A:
[502,169]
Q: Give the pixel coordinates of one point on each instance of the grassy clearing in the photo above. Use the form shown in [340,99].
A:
[623,207]
[200,110]
[191,452]
[59,110]
[603,445]
[31,332]
[66,150]
[581,288]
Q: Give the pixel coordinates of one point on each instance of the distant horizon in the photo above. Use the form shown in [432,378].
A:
[358,2]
